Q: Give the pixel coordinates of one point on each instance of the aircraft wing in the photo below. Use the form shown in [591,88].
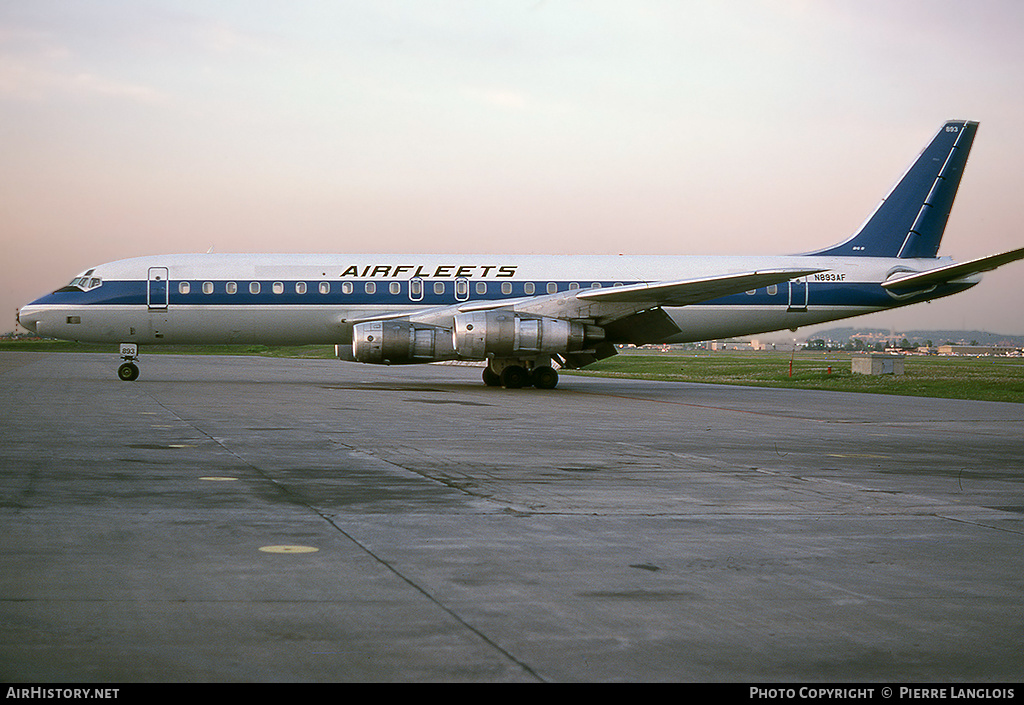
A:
[607,304]
[690,291]
[952,272]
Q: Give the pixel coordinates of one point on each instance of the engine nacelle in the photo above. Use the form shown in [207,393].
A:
[400,343]
[504,334]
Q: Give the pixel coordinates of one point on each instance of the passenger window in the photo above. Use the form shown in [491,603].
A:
[574,285]
[395,288]
[346,287]
[596,285]
[506,288]
[439,288]
[278,287]
[254,287]
[552,288]
[481,288]
[461,289]
[773,290]
[207,287]
[529,288]
[325,287]
[751,292]
[370,288]
[183,287]
[300,287]
[231,288]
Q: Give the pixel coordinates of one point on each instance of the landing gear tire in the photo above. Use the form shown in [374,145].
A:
[544,377]
[128,372]
[514,377]
[491,378]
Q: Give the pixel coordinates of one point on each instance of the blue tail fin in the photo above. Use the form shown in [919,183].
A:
[910,221]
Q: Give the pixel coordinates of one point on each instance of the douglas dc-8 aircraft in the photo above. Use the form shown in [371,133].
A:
[524,315]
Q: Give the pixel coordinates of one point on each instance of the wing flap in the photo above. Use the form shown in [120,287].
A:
[641,328]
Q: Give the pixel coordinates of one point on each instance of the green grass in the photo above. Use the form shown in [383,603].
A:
[982,378]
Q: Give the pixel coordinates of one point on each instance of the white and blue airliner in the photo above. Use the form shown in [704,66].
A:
[525,316]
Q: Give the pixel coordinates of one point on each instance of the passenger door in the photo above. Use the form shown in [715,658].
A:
[157,289]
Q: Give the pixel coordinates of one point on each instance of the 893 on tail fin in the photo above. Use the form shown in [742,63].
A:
[910,220]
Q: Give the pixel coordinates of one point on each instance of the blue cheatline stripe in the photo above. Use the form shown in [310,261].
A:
[120,293]
[134,292]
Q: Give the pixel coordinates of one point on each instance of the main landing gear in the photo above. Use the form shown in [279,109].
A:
[515,375]
[129,371]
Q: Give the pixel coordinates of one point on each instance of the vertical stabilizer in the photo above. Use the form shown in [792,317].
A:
[909,222]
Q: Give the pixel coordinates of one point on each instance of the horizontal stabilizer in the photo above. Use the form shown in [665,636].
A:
[952,272]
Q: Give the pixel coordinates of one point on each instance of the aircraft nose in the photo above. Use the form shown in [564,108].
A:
[27,317]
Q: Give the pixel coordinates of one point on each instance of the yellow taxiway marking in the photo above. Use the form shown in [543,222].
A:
[855,455]
[214,478]
[288,549]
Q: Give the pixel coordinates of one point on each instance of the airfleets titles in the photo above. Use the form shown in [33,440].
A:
[467,271]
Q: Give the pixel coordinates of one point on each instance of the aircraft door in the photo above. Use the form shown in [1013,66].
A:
[157,289]
[797,295]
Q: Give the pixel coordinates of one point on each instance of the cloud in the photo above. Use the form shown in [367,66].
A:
[23,81]
[33,68]
[505,99]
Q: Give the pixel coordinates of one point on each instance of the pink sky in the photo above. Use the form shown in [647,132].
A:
[137,127]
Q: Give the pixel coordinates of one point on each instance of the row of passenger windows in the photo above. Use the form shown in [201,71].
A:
[416,287]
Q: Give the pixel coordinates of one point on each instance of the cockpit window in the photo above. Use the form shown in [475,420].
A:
[84,283]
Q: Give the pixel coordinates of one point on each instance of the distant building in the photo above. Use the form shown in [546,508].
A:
[738,345]
[876,337]
[978,350]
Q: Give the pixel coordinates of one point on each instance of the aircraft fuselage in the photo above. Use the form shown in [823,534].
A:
[284,299]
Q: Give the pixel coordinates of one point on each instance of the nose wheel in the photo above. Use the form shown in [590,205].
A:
[129,371]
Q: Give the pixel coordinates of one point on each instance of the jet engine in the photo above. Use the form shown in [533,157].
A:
[400,342]
[504,334]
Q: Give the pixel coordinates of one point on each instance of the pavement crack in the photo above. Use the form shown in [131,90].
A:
[427,595]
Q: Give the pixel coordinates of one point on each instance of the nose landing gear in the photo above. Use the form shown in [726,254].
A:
[128,371]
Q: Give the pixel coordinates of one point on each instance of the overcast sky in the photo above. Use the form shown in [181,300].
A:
[523,126]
